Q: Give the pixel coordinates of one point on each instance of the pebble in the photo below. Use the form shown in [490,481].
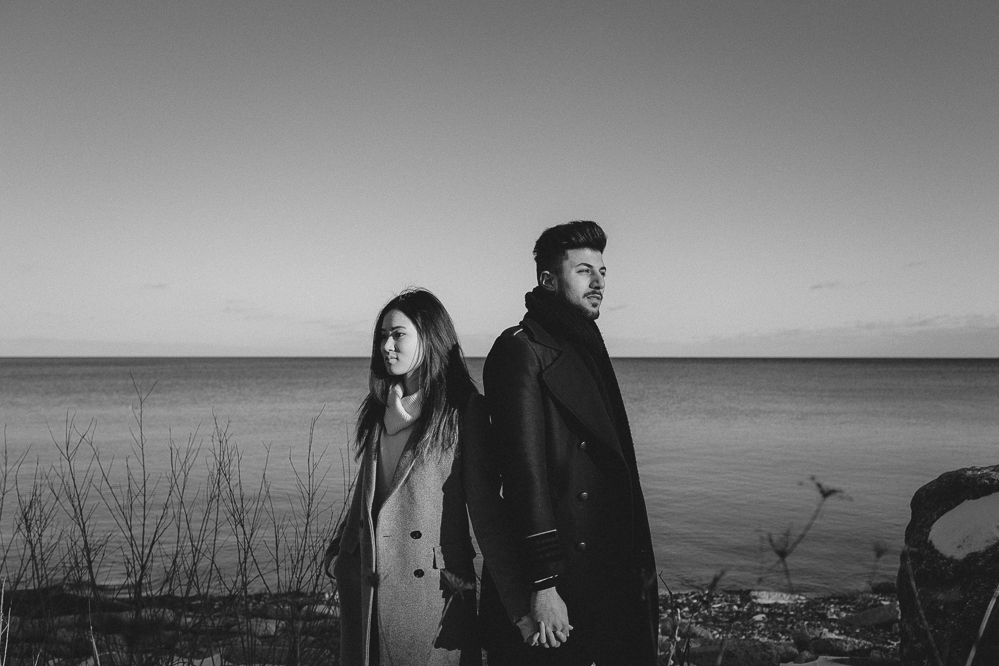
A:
[766,597]
[875,617]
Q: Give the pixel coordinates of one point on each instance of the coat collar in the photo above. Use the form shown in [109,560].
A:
[402,470]
[570,382]
[404,466]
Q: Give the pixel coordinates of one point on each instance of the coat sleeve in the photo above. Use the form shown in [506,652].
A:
[517,407]
[486,508]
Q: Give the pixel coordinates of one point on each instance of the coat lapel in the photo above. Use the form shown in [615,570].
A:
[571,384]
[368,475]
[403,467]
[370,478]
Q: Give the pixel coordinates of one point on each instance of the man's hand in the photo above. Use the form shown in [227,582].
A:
[550,613]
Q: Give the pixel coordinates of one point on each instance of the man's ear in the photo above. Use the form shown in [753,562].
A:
[547,281]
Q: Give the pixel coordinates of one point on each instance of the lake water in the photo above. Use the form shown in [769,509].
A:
[726,447]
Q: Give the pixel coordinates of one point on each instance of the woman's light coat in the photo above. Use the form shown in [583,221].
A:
[410,571]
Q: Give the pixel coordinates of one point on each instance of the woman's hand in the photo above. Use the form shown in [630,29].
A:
[331,554]
[332,551]
[528,630]
[549,611]
[455,583]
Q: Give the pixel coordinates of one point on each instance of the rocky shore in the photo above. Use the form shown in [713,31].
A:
[61,627]
[770,628]
[58,626]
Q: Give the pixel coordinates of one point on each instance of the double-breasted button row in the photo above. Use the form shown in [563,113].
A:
[416,534]
[418,573]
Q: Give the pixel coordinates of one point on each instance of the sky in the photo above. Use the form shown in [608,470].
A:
[199,177]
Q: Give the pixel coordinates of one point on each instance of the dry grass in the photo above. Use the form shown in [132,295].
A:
[184,558]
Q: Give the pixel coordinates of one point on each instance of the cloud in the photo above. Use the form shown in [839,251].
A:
[929,322]
[238,308]
[155,285]
[968,336]
[914,264]
[335,327]
[833,284]
[78,347]
[938,322]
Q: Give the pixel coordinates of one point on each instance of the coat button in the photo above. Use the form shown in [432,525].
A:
[416,534]
[581,546]
[418,573]
[582,446]
[583,496]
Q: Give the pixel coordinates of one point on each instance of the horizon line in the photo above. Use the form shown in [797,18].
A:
[476,357]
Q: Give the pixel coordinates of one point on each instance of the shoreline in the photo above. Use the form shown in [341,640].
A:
[63,626]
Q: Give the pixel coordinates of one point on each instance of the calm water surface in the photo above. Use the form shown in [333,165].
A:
[726,447]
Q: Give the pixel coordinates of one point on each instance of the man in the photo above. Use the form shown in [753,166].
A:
[576,582]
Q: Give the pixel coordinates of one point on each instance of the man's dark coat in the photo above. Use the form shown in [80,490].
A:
[571,489]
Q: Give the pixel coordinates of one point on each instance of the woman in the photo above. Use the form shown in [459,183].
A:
[403,553]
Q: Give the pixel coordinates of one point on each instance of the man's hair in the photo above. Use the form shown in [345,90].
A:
[554,243]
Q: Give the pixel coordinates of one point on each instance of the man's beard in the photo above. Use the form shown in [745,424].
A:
[588,313]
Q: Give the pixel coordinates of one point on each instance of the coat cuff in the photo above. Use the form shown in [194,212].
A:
[544,583]
[543,556]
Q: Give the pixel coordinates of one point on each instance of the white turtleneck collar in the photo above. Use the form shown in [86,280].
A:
[401,411]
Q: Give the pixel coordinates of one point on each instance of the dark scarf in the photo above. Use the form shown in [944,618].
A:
[567,323]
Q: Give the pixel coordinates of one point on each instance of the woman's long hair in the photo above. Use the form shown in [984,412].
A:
[443,376]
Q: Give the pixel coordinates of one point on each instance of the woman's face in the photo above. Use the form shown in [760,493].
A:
[401,349]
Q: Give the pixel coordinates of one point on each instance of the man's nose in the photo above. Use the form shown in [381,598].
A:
[597,282]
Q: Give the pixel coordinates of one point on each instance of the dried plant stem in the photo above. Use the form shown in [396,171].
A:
[919,607]
[784,546]
[4,625]
[721,651]
[220,547]
[981,630]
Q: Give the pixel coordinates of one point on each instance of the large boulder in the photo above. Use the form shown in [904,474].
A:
[950,570]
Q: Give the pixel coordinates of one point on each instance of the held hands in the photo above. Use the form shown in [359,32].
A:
[548,623]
